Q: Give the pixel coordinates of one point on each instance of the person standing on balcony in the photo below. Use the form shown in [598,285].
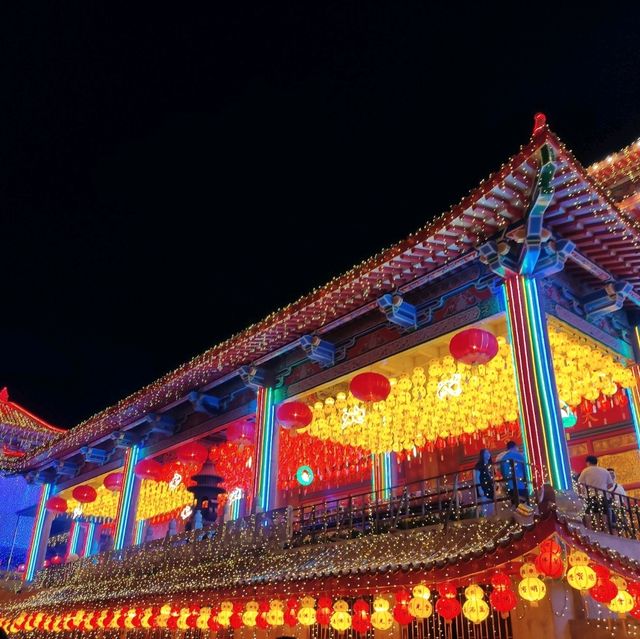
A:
[484,482]
[597,482]
[512,467]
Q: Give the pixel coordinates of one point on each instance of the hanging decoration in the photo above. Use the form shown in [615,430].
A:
[193,452]
[448,606]
[294,415]
[148,469]
[473,346]
[531,588]
[84,494]
[549,561]
[447,401]
[113,481]
[56,504]
[233,461]
[475,608]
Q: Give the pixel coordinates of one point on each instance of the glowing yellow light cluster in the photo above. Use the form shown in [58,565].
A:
[446,398]
[583,370]
[156,498]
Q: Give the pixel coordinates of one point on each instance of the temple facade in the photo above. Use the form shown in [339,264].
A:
[398,453]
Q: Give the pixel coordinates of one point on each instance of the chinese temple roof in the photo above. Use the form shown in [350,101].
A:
[20,430]
[582,210]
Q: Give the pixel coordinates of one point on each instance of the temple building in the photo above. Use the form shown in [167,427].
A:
[399,453]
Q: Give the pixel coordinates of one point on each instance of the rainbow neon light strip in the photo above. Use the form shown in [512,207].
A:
[74,536]
[381,476]
[265,420]
[543,432]
[88,539]
[36,533]
[124,513]
[139,531]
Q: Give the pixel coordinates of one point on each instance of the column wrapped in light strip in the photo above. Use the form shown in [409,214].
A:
[74,537]
[381,475]
[127,502]
[139,532]
[633,394]
[35,554]
[90,531]
[265,421]
[540,418]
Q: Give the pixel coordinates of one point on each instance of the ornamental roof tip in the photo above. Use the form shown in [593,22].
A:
[497,202]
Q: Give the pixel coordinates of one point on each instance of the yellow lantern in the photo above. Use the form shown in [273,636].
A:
[275,614]
[307,613]
[532,589]
[578,558]
[224,615]
[581,577]
[101,617]
[340,619]
[419,606]
[182,618]
[474,592]
[381,619]
[129,617]
[528,569]
[475,610]
[145,618]
[622,603]
[250,614]
[202,622]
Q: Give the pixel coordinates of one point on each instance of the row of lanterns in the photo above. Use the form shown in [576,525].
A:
[469,391]
[404,607]
[189,460]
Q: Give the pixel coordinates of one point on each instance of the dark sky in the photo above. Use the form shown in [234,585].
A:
[167,178]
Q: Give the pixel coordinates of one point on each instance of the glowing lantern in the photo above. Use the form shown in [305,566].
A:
[473,346]
[361,621]
[578,558]
[370,387]
[250,614]
[622,603]
[448,609]
[202,623]
[56,560]
[550,564]
[113,481]
[148,469]
[475,610]
[381,619]
[56,504]
[224,615]
[532,589]
[340,619]
[604,591]
[275,615]
[581,577]
[504,601]
[420,606]
[307,614]
[401,610]
[291,612]
[85,494]
[294,415]
[323,614]
[192,452]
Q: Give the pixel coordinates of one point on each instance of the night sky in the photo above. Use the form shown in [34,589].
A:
[168,178]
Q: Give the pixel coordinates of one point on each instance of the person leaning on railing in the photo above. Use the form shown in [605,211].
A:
[598,482]
[512,467]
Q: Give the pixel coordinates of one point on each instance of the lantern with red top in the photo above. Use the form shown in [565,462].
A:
[84,493]
[113,481]
[148,469]
[473,346]
[448,606]
[323,614]
[370,387]
[294,415]
[56,504]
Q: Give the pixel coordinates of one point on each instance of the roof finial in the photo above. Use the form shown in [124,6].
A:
[539,123]
[4,395]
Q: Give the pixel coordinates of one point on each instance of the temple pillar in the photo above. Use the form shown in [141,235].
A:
[74,538]
[89,535]
[128,500]
[540,418]
[39,534]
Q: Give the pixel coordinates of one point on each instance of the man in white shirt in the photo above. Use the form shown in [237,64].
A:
[617,489]
[595,476]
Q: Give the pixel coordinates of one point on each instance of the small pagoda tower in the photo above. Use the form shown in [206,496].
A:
[206,490]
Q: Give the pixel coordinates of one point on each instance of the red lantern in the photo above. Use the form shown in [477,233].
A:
[500,581]
[473,346]
[549,545]
[401,614]
[193,452]
[402,597]
[360,605]
[236,620]
[294,415]
[504,601]
[261,621]
[214,625]
[113,481]
[148,469]
[550,564]
[601,571]
[56,504]
[370,387]
[56,560]
[448,608]
[604,591]
[85,494]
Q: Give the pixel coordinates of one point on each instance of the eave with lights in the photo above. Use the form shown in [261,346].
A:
[319,471]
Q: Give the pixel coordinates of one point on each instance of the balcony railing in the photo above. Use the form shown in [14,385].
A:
[609,512]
